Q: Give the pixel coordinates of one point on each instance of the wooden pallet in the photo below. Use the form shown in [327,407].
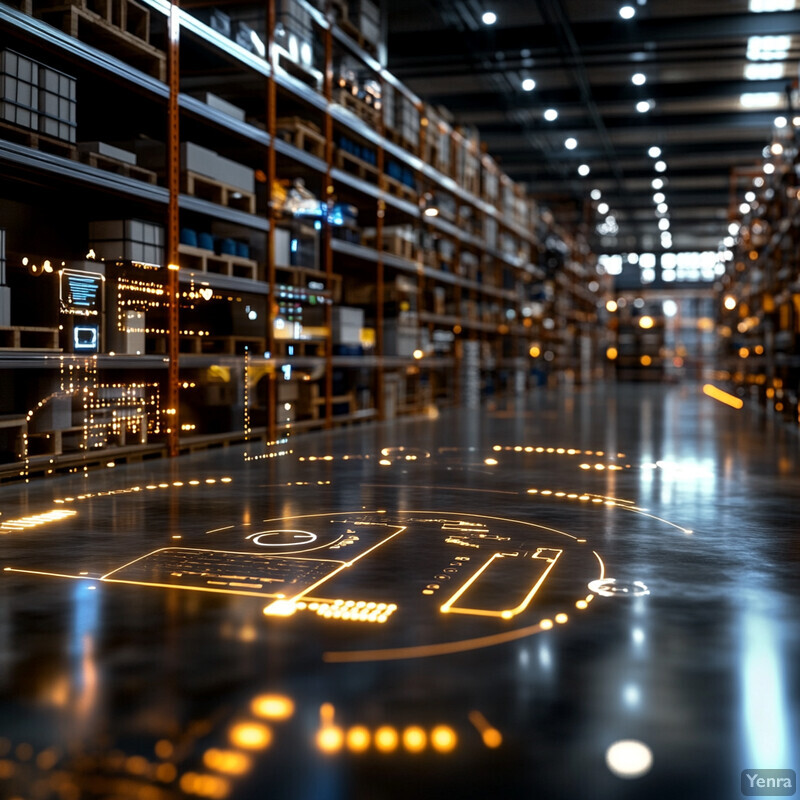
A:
[357,36]
[214,191]
[199,260]
[109,164]
[355,166]
[37,141]
[128,16]
[400,190]
[359,107]
[304,135]
[95,30]
[14,337]
[397,138]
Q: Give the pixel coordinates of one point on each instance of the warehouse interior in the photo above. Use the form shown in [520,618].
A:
[399,398]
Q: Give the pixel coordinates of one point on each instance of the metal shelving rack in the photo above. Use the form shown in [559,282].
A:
[496,307]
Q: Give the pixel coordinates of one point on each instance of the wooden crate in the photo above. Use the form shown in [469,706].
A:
[304,135]
[355,166]
[217,192]
[199,260]
[109,164]
[28,338]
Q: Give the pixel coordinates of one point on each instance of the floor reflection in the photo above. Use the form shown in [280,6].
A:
[588,597]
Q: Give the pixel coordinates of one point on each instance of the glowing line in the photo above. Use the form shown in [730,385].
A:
[602,565]
[658,519]
[217,530]
[499,519]
[184,588]
[50,574]
[346,564]
[723,397]
[424,486]
[446,608]
[426,650]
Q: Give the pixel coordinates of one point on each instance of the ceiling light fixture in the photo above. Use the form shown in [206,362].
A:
[627,12]
[654,152]
[761,6]
[602,208]
[764,71]
[661,166]
[769,168]
[750,197]
[657,183]
[780,122]
[639,78]
[659,197]
[761,99]
[571,143]
[744,208]
[643,106]
[596,194]
[551,114]
[663,224]
[584,170]
[489,18]
[528,85]
[662,208]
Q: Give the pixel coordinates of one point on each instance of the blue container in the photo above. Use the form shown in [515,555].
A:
[243,249]
[227,247]
[205,241]
[188,236]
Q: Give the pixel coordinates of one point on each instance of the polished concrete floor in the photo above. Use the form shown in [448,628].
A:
[590,595]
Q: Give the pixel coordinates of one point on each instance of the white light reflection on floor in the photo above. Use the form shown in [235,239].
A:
[765,704]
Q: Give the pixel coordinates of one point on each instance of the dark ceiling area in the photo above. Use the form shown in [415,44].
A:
[711,80]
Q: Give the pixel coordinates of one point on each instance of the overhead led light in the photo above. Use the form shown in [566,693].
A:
[663,224]
[643,106]
[551,114]
[596,194]
[489,18]
[659,197]
[657,183]
[670,308]
[744,208]
[769,168]
[750,197]
[662,208]
[528,85]
[780,122]
[768,48]
[776,149]
[764,71]
[571,143]
[761,6]
[627,12]
[584,170]
[758,182]
[729,241]
[733,228]
[602,208]
[639,78]
[760,99]
[654,152]
[660,166]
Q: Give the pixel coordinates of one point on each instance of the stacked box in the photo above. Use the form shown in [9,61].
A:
[127,239]
[490,179]
[406,118]
[389,100]
[19,90]
[220,104]
[57,104]
[365,15]
[109,151]
[294,31]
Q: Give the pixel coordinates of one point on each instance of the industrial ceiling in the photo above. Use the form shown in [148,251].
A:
[702,81]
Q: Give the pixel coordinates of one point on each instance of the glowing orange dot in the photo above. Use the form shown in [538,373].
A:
[546,624]
[386,739]
[251,735]
[414,739]
[330,739]
[561,618]
[492,738]
[443,739]
[272,706]
[358,739]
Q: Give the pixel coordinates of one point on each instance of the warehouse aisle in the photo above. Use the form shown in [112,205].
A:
[593,595]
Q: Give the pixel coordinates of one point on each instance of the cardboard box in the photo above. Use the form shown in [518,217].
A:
[109,151]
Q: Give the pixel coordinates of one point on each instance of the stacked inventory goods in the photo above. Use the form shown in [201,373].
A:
[127,239]
[365,16]
[37,97]
[19,90]
[294,32]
